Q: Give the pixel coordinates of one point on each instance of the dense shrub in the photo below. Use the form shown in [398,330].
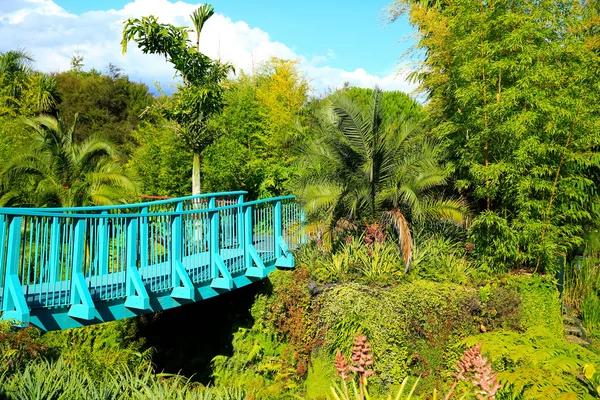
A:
[100,350]
[541,303]
[273,356]
[413,327]
[536,364]
[18,347]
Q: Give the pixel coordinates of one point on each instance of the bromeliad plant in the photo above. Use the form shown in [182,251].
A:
[361,365]
[474,368]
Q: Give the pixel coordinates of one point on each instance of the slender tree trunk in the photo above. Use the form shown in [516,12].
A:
[196,188]
[196,184]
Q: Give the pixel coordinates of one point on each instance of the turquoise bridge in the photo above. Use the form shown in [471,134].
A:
[63,268]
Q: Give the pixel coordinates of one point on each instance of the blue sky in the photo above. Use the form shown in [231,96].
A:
[334,41]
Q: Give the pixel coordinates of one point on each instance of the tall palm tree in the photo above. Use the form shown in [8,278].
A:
[58,172]
[196,131]
[363,168]
[201,96]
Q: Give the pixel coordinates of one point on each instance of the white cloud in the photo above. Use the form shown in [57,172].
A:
[53,35]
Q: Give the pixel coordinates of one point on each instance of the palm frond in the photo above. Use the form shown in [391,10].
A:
[396,219]
[448,209]
[321,198]
[352,124]
[56,171]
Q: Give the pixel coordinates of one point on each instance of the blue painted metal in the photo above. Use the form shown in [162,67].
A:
[82,305]
[182,285]
[14,305]
[137,296]
[64,268]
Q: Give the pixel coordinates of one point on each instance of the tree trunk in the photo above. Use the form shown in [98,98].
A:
[196,188]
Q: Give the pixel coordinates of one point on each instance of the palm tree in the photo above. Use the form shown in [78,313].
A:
[20,86]
[201,95]
[363,168]
[58,172]
[15,67]
[199,18]
[196,131]
[42,94]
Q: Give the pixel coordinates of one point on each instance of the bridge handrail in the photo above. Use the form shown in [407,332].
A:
[41,212]
[35,211]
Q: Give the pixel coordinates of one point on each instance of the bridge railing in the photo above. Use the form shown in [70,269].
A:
[53,258]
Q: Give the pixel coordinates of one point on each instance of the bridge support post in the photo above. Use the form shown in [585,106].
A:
[283,256]
[221,278]
[137,296]
[14,305]
[183,288]
[82,305]
[251,256]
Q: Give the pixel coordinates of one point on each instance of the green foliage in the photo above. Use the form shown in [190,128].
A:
[494,242]
[63,380]
[256,364]
[13,135]
[105,361]
[320,374]
[535,364]
[259,131]
[442,259]
[19,347]
[377,263]
[404,393]
[274,355]
[291,311]
[538,363]
[57,171]
[108,105]
[227,167]
[541,304]
[358,166]
[582,282]
[160,160]
[396,106]
[282,92]
[593,379]
[15,67]
[412,326]
[23,91]
[171,42]
[201,96]
[514,95]
[100,350]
